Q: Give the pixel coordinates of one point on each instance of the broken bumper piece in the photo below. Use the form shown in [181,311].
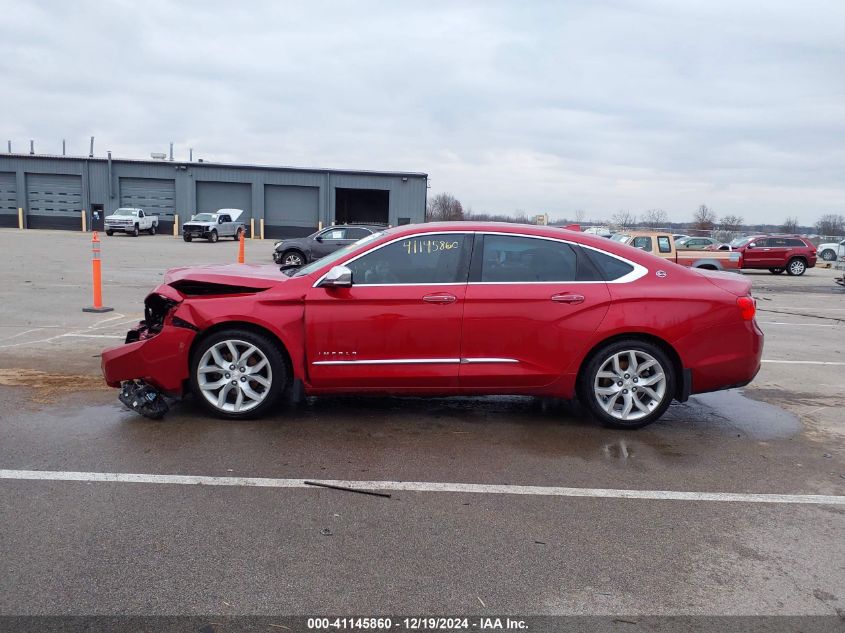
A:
[144,399]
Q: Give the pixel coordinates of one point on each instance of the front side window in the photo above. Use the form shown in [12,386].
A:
[224,218]
[643,242]
[333,234]
[416,259]
[508,259]
[663,244]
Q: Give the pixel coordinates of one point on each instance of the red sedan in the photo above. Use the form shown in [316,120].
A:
[448,309]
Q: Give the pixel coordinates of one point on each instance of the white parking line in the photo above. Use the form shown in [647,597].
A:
[423,486]
[803,362]
[801,324]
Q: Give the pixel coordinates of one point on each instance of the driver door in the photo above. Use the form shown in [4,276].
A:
[329,241]
[398,327]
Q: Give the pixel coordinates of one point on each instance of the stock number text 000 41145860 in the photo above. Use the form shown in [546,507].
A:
[426,246]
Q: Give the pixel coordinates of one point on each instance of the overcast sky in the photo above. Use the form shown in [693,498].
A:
[543,107]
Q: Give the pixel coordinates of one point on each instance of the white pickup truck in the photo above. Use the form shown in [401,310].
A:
[131,221]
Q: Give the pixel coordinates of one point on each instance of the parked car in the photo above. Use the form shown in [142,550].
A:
[696,243]
[602,231]
[677,237]
[661,245]
[213,226]
[776,253]
[831,251]
[131,221]
[299,251]
[452,308]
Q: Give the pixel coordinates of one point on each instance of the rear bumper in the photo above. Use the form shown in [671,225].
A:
[722,357]
[161,360]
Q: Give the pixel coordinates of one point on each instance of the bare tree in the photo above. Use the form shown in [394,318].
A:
[623,219]
[444,207]
[655,218]
[704,218]
[831,224]
[580,216]
[731,223]
[790,225]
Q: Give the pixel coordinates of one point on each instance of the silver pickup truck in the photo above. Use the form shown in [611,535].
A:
[213,226]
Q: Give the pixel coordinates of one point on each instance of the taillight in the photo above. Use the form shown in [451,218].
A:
[747,307]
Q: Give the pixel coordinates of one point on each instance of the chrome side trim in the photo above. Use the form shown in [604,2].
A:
[416,361]
[392,361]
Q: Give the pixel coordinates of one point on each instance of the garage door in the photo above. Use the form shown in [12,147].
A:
[153,195]
[8,199]
[54,201]
[225,195]
[290,211]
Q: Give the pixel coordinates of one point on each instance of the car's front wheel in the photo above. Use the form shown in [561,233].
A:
[109,233]
[186,237]
[238,373]
[212,237]
[627,384]
[135,231]
[796,267]
[293,258]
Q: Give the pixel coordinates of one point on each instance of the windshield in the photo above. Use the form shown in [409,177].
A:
[740,241]
[125,212]
[204,217]
[338,254]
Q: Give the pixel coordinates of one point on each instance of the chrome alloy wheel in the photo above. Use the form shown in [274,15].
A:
[234,376]
[293,259]
[630,385]
[797,267]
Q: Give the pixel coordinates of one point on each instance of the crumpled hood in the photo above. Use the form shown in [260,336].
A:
[247,275]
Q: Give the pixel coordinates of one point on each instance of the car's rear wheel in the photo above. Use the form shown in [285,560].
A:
[237,373]
[212,237]
[293,258]
[776,271]
[237,235]
[796,267]
[627,384]
[153,230]
[186,237]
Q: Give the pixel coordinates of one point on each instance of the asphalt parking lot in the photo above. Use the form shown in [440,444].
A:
[572,543]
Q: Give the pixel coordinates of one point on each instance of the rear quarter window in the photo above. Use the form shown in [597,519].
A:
[795,242]
[610,268]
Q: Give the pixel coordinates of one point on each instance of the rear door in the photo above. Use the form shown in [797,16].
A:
[531,305]
[399,325]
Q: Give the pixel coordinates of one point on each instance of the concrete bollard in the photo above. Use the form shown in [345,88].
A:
[252,228]
[261,221]
[20,218]
[175,225]
[84,221]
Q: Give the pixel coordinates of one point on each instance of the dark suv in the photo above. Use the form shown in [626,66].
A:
[299,251]
[776,253]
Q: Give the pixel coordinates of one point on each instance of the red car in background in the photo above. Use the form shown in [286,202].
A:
[776,253]
[448,309]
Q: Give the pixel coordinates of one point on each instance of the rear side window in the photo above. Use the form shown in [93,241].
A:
[664,245]
[610,267]
[795,242]
[356,233]
[510,258]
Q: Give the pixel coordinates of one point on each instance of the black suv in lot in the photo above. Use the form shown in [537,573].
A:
[299,251]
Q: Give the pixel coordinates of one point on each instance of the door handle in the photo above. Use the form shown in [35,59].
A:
[568,298]
[440,298]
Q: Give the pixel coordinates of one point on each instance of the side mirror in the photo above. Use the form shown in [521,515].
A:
[752,245]
[319,238]
[220,221]
[337,277]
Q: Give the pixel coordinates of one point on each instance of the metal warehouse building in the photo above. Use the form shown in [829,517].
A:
[54,191]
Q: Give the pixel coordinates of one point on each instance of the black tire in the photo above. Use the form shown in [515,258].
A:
[109,233]
[588,381]
[828,255]
[776,271]
[237,236]
[796,267]
[297,258]
[135,231]
[186,237]
[212,237]
[279,376]
[153,229]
